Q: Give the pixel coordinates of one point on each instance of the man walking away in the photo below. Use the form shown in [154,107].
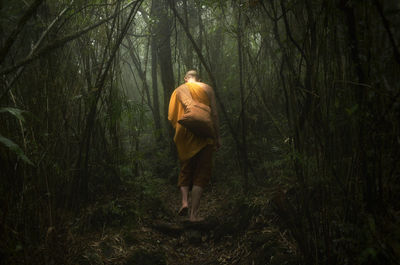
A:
[194,152]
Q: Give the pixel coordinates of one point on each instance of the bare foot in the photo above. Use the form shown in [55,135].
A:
[183,211]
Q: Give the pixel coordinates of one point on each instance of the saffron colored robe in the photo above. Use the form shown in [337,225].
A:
[187,144]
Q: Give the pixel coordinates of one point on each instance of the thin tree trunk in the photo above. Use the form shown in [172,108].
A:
[188,54]
[370,188]
[386,24]
[154,81]
[163,35]
[242,103]
[82,176]
[21,23]
[60,42]
[213,84]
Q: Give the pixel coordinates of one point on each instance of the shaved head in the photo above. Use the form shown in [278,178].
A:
[192,74]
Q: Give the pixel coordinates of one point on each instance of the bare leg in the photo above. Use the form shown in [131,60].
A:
[196,195]
[185,193]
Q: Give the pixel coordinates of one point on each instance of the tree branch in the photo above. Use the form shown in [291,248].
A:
[21,23]
[57,43]
[386,25]
[37,45]
[206,67]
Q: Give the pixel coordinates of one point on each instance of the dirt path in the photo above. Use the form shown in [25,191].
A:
[184,243]
[207,242]
[232,234]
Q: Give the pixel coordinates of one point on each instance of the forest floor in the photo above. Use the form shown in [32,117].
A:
[236,231]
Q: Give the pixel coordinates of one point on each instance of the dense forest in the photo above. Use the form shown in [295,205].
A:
[308,96]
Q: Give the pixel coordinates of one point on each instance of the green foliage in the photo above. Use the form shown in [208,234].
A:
[15,149]
[316,117]
[17,113]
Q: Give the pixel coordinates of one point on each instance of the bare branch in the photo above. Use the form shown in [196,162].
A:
[57,43]
[21,23]
[37,45]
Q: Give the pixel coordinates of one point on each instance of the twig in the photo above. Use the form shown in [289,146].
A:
[21,23]
[57,43]
[37,45]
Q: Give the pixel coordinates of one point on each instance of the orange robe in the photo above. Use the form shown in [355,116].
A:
[187,144]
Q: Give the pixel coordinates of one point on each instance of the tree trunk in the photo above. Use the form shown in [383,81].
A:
[163,34]
[154,79]
[244,157]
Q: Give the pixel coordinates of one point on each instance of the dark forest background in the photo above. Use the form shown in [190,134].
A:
[308,94]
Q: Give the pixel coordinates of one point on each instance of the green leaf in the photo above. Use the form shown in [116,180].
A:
[15,112]
[352,110]
[16,149]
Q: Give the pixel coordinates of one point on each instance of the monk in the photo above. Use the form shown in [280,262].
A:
[194,152]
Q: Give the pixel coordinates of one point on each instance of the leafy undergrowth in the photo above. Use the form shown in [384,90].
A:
[135,228]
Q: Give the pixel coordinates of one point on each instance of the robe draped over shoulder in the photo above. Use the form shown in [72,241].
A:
[187,144]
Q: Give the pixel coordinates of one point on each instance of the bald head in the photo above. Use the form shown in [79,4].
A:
[192,74]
